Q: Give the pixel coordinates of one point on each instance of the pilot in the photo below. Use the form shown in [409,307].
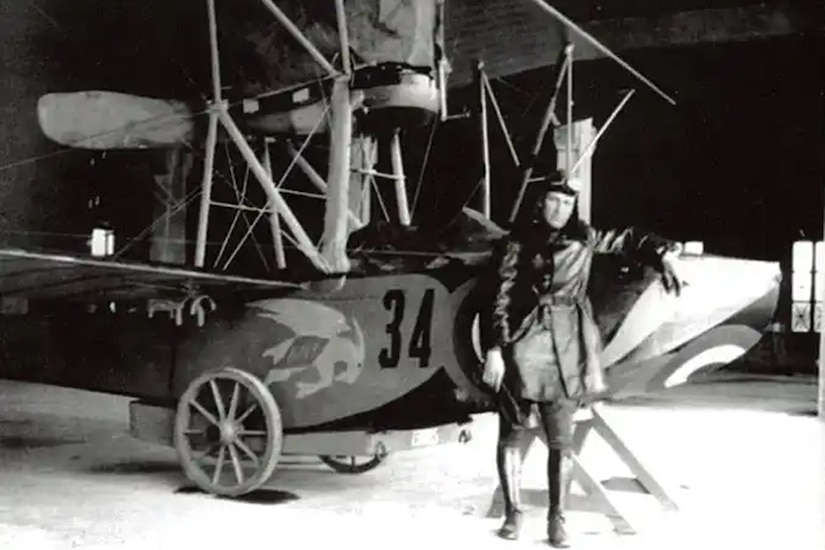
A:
[543,343]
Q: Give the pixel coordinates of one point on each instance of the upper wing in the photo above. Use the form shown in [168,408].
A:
[510,36]
[34,275]
[513,36]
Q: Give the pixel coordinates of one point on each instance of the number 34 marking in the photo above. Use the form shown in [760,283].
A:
[419,346]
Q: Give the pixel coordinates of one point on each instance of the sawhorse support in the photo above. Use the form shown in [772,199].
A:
[586,421]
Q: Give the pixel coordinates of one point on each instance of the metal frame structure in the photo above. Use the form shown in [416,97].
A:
[329,255]
[277,208]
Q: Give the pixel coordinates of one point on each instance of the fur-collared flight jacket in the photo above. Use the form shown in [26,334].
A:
[541,316]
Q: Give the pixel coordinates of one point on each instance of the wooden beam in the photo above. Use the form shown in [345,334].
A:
[485,141]
[274,217]
[643,475]
[206,190]
[549,116]
[343,35]
[585,422]
[399,179]
[598,47]
[296,33]
[334,239]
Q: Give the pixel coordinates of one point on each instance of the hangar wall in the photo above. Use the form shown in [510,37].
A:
[27,201]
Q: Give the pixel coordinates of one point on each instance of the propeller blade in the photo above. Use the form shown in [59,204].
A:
[112,120]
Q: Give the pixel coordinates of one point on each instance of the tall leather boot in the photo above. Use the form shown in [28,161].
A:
[508,462]
[559,470]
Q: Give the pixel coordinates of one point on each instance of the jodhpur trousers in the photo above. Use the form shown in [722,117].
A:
[555,418]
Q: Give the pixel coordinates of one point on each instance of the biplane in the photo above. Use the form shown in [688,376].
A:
[365,341]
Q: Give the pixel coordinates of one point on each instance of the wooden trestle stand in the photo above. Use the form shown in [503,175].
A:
[585,421]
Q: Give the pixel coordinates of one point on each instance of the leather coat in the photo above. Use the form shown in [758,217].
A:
[541,315]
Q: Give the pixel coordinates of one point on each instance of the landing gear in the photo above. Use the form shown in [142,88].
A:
[228,432]
[353,464]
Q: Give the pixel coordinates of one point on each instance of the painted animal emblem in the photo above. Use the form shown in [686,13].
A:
[326,346]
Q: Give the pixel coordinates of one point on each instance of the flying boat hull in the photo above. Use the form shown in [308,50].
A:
[385,350]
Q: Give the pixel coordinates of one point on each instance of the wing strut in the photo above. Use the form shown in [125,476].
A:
[601,47]
[219,112]
[549,116]
[571,166]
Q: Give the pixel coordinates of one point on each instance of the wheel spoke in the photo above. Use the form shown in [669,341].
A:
[248,452]
[206,414]
[233,403]
[236,463]
[252,433]
[205,453]
[218,399]
[247,412]
[216,476]
[228,437]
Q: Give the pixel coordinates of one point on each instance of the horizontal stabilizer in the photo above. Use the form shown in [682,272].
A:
[112,120]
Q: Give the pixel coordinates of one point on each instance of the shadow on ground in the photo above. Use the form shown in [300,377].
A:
[258,496]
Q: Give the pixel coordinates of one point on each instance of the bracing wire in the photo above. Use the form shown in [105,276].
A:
[177,208]
[70,147]
[424,163]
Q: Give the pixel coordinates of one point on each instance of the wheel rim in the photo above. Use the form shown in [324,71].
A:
[228,432]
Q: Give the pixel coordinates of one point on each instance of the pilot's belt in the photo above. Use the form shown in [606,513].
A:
[558,300]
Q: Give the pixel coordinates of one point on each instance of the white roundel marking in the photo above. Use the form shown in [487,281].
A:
[712,356]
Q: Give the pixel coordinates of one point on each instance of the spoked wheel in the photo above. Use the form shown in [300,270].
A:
[228,432]
[352,464]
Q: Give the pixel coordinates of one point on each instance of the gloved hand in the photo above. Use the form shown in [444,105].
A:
[671,279]
[493,369]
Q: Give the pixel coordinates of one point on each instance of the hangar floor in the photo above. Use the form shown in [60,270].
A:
[744,458]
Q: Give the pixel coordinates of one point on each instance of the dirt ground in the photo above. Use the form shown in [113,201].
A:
[744,459]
